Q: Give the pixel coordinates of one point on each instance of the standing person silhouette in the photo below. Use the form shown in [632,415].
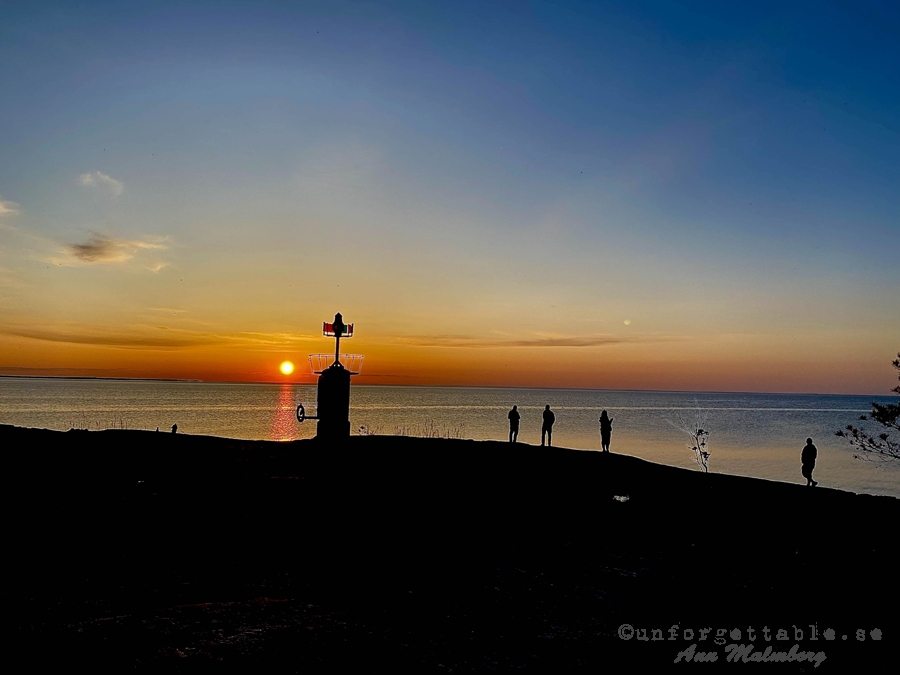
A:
[514,418]
[547,426]
[605,430]
[808,461]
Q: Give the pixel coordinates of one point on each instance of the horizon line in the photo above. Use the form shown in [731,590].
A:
[434,386]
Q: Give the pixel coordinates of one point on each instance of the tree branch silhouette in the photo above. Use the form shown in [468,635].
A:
[880,446]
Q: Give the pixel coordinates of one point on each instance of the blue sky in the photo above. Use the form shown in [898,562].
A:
[723,176]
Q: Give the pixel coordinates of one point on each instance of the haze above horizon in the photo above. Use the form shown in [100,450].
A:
[642,196]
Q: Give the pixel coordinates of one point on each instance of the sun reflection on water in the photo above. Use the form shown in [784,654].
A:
[284,421]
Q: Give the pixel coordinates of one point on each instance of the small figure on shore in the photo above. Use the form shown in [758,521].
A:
[808,460]
[174,428]
[605,430]
[514,418]
[547,426]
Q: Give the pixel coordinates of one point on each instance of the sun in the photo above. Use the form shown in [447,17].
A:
[287,368]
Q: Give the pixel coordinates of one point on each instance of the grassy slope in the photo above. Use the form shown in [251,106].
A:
[177,552]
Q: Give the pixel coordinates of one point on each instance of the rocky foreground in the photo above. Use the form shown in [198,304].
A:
[148,551]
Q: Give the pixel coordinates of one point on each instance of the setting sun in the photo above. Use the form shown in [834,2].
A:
[287,368]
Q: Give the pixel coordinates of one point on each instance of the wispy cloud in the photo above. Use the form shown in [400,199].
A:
[100,249]
[144,336]
[269,340]
[470,342]
[391,376]
[169,310]
[163,337]
[7,209]
[8,279]
[100,180]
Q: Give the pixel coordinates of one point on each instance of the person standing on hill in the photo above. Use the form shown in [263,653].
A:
[514,418]
[547,426]
[605,430]
[808,462]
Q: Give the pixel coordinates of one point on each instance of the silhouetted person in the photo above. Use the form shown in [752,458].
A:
[514,418]
[547,426]
[174,428]
[605,430]
[808,460]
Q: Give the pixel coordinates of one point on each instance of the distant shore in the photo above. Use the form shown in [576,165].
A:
[87,377]
[180,552]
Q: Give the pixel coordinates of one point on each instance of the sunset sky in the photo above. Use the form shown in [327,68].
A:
[640,195]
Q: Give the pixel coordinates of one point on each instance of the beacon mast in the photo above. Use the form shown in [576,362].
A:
[333,390]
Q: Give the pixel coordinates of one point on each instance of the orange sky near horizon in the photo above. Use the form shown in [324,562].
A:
[444,318]
[721,363]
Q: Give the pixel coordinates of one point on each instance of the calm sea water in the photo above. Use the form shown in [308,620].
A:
[750,434]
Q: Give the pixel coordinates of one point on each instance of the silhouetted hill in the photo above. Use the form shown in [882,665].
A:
[152,550]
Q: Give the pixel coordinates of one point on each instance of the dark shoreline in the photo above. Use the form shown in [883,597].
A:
[148,550]
[94,377]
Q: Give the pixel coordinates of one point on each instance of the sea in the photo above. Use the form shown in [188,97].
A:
[750,434]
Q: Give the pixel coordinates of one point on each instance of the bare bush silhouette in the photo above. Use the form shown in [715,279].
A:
[698,430]
[83,424]
[429,429]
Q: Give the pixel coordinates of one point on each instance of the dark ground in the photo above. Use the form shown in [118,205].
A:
[151,551]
